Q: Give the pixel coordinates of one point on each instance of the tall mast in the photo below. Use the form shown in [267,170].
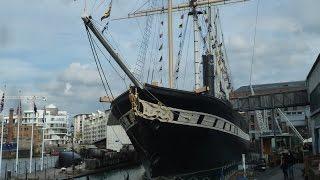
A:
[170,44]
[209,31]
[88,23]
[196,46]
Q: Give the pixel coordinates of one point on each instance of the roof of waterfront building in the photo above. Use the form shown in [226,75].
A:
[271,88]
[314,66]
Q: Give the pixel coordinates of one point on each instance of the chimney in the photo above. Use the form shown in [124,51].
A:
[10,126]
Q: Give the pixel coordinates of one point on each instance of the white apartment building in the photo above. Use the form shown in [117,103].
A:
[54,121]
[56,124]
[95,128]
[78,121]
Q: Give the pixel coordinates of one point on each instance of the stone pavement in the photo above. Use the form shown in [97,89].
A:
[276,173]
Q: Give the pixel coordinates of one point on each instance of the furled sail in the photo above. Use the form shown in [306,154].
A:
[108,11]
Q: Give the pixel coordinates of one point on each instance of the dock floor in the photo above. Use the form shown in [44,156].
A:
[276,173]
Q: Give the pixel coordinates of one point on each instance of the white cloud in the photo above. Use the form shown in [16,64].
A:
[80,73]
[67,90]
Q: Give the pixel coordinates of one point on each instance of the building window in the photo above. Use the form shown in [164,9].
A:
[252,118]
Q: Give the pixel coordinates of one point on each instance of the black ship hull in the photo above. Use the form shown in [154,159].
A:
[185,133]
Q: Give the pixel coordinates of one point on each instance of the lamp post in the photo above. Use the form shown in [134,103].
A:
[43,128]
[72,139]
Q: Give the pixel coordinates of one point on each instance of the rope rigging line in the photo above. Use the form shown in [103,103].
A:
[161,46]
[108,59]
[112,38]
[230,79]
[94,57]
[95,2]
[182,36]
[101,68]
[154,41]
[104,79]
[254,43]
[95,54]
[186,64]
[117,47]
[139,7]
[143,47]
[99,4]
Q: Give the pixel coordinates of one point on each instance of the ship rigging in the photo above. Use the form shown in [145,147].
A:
[166,125]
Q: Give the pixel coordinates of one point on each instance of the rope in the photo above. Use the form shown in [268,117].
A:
[97,61]
[113,67]
[254,43]
[181,47]
[94,57]
[154,39]
[186,65]
[95,2]
[230,80]
[99,4]
[101,69]
[140,7]
[98,64]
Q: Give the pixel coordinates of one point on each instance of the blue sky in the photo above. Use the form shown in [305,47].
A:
[44,49]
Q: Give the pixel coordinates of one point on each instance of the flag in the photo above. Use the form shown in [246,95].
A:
[34,108]
[160,36]
[160,47]
[160,59]
[2,103]
[161,22]
[108,11]
[182,16]
[180,25]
